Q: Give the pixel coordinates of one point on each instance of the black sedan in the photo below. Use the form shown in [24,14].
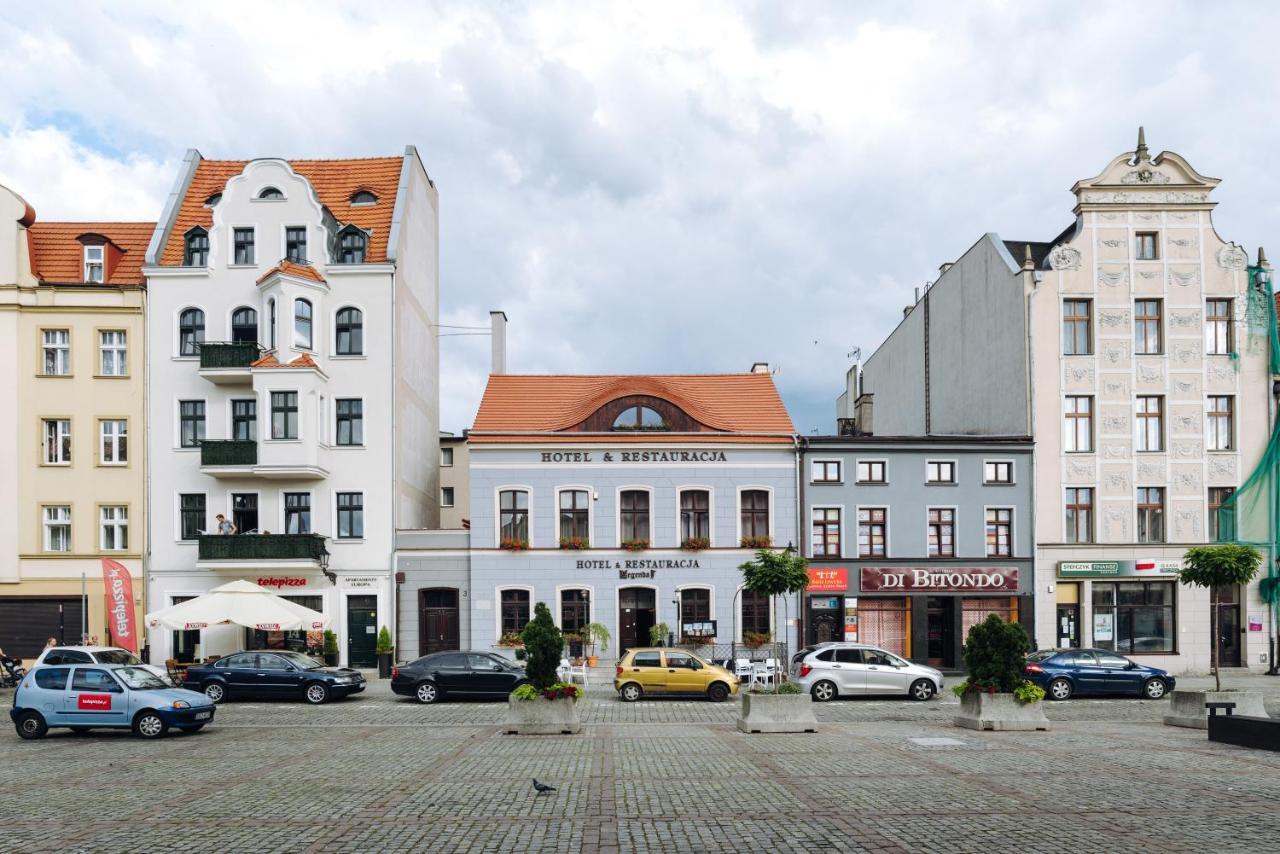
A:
[456,675]
[1063,673]
[283,674]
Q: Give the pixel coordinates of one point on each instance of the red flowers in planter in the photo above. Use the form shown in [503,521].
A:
[638,545]
[561,691]
[510,545]
[757,542]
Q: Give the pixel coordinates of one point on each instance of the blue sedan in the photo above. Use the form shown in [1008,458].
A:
[1063,673]
[110,696]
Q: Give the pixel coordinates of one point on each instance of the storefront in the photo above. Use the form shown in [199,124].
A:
[922,613]
[1132,608]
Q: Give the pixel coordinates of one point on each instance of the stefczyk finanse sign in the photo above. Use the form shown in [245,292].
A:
[957,579]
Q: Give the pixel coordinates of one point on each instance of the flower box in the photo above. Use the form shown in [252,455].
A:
[635,545]
[695,544]
[575,543]
[509,545]
[757,542]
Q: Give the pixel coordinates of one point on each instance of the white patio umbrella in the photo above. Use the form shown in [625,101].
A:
[243,603]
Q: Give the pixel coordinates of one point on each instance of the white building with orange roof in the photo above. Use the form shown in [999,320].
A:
[294,389]
[72,475]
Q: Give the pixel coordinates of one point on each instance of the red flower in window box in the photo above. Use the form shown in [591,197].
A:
[635,545]
[512,545]
[757,542]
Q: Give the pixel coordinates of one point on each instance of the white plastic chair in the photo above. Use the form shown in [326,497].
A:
[563,670]
[579,672]
[742,668]
[761,674]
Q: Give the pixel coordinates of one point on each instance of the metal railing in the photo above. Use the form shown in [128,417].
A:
[722,652]
[229,354]
[262,547]
[228,453]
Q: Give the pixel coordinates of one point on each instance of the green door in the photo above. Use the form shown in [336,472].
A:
[362,631]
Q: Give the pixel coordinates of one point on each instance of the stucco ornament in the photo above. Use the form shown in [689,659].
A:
[1186,524]
[1150,375]
[1077,470]
[1144,175]
[1116,388]
[1113,319]
[1064,258]
[1147,274]
[1116,424]
[1232,258]
[1123,197]
[1183,241]
[1116,523]
[1184,278]
[1080,375]
[1218,373]
[1186,353]
[1186,450]
[1187,424]
[1112,278]
[1115,452]
[1115,353]
[1114,244]
[1184,319]
[1186,481]
[1221,467]
[1186,386]
[1118,481]
[1181,217]
[1150,471]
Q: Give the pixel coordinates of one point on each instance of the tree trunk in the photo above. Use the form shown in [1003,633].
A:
[1213,630]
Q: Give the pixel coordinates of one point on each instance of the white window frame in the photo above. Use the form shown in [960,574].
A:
[333,426]
[118,523]
[112,440]
[119,352]
[100,263]
[955,472]
[452,455]
[1013,529]
[591,512]
[1209,418]
[340,539]
[617,513]
[711,510]
[737,511]
[560,588]
[857,470]
[825,460]
[955,531]
[48,524]
[1013,472]
[533,601]
[497,511]
[844,527]
[455,496]
[61,350]
[62,430]
[711,606]
[887,507]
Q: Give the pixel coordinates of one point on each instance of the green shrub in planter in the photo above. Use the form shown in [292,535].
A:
[543,645]
[995,654]
[385,647]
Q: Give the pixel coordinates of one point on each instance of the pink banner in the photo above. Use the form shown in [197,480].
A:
[121,622]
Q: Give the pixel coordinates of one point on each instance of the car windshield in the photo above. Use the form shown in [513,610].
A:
[139,679]
[298,660]
[117,656]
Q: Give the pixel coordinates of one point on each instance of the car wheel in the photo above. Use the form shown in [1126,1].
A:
[215,691]
[1154,689]
[148,724]
[824,691]
[922,689]
[195,728]
[426,693]
[80,730]
[717,692]
[1060,689]
[630,692]
[316,693]
[31,725]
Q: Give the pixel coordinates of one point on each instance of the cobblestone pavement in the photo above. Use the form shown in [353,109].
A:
[378,772]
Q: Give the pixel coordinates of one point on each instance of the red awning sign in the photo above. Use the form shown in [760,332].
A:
[828,580]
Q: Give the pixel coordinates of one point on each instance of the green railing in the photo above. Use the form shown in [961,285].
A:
[262,547]
[223,453]
[229,354]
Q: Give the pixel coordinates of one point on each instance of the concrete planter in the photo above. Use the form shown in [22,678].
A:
[542,717]
[777,713]
[1000,712]
[1186,708]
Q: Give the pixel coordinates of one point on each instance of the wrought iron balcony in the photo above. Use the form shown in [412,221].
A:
[262,547]
[228,354]
[227,453]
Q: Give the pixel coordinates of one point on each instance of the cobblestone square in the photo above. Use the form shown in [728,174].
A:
[382,773]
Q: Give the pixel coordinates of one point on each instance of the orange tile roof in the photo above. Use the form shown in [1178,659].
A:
[334,182]
[289,268]
[731,404]
[57,256]
[270,361]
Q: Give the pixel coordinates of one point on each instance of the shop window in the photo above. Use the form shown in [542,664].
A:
[883,623]
[514,611]
[974,610]
[295,641]
[1134,616]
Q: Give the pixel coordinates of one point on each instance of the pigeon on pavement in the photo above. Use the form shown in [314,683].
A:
[542,788]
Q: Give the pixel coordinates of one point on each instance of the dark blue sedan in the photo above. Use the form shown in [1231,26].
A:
[275,674]
[1063,673]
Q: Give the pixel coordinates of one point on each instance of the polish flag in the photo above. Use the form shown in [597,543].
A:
[1142,565]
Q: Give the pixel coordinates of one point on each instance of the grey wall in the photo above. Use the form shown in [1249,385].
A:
[430,559]
[895,376]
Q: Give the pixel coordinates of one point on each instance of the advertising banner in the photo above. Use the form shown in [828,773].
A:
[948,579]
[1140,568]
[121,620]
[824,580]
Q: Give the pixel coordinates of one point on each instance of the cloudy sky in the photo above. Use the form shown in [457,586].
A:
[660,187]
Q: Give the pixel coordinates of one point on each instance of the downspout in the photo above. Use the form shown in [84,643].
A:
[800,443]
[148,506]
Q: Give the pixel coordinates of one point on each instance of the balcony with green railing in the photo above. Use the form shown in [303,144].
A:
[262,548]
[217,454]
[228,361]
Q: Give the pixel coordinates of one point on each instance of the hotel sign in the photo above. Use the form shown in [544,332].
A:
[634,457]
[1140,568]
[949,579]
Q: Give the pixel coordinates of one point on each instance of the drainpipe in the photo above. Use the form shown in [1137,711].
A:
[800,444]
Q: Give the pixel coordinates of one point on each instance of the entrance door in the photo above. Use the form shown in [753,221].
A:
[1069,626]
[1227,601]
[941,632]
[437,620]
[826,619]
[637,613]
[362,631]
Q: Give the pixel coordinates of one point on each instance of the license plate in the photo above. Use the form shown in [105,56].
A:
[204,716]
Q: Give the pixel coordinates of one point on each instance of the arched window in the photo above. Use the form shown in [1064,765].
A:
[196,253]
[349,326]
[639,418]
[302,324]
[351,245]
[271,323]
[190,332]
[363,197]
[270,193]
[244,325]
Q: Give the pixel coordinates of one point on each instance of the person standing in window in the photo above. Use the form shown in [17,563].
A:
[225,526]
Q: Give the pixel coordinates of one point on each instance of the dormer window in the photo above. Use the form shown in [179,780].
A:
[197,248]
[270,194]
[363,197]
[213,200]
[351,245]
[639,418]
[93,264]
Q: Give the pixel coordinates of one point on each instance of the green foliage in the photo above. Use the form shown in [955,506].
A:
[658,634]
[1028,692]
[695,544]
[960,689]
[775,573]
[637,545]
[526,692]
[543,645]
[788,688]
[385,646]
[330,642]
[995,654]
[1219,566]
[575,543]
[597,633]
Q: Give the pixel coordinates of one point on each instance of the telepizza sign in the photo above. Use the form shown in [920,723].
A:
[93,702]
[120,617]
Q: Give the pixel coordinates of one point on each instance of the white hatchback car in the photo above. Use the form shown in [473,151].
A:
[98,655]
[834,669]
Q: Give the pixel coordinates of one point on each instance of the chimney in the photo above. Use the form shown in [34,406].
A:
[862,413]
[498,341]
[759,367]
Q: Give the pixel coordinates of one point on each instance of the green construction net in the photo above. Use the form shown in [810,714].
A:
[1248,515]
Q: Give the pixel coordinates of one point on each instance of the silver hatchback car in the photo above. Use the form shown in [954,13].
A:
[830,670]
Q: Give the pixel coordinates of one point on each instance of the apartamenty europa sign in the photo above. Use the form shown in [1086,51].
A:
[945,579]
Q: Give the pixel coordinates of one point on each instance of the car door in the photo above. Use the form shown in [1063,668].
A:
[94,698]
[489,676]
[848,671]
[647,669]
[277,677]
[682,675]
[451,673]
[1083,668]
[1118,674]
[241,673]
[47,691]
[883,676]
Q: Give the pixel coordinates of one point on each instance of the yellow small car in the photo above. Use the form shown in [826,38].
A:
[657,670]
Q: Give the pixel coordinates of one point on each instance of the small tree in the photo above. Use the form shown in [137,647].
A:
[543,645]
[385,647]
[1217,566]
[774,574]
[995,654]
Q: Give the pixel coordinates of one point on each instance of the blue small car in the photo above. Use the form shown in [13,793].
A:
[87,696]
[1063,673]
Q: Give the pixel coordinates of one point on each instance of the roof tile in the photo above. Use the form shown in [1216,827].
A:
[58,255]
[289,268]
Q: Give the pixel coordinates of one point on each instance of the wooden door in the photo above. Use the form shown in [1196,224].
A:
[437,620]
